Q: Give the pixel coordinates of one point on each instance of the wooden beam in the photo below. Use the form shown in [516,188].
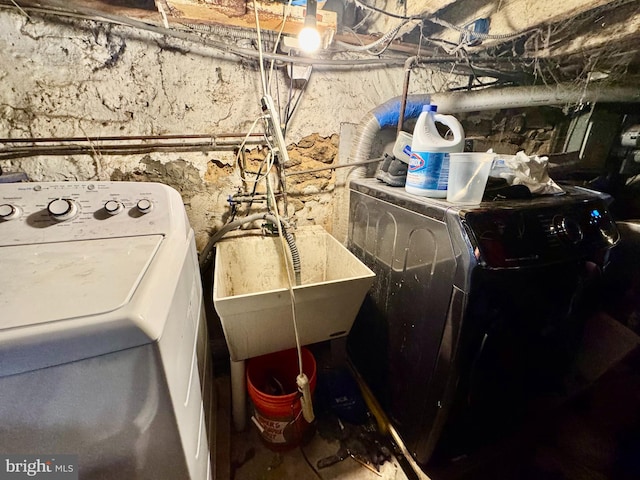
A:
[270,16]
[125,9]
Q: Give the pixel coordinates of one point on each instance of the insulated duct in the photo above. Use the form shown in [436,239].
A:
[385,115]
[388,113]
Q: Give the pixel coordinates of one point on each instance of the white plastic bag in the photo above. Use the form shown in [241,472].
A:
[533,172]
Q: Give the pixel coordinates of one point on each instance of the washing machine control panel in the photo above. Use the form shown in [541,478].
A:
[67,211]
[533,236]
[63,209]
[9,211]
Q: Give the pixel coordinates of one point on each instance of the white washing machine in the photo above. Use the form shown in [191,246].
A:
[103,343]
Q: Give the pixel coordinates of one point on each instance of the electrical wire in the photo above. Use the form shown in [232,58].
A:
[269,161]
[252,194]
[99,16]
[288,268]
[289,113]
[269,119]
[444,23]
[62,10]
[263,76]
[362,22]
[285,16]
[385,47]
[306,459]
[20,9]
[387,37]
[444,44]
[384,12]
[482,36]
[226,31]
[353,33]
[238,168]
[286,108]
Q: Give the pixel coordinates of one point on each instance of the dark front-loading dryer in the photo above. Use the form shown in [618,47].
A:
[473,320]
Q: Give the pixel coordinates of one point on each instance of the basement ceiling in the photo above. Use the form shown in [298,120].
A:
[491,41]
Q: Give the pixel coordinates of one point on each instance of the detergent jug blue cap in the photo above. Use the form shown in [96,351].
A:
[429,107]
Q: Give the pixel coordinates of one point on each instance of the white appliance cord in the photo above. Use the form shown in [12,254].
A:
[302,381]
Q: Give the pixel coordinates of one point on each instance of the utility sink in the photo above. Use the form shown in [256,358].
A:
[251,291]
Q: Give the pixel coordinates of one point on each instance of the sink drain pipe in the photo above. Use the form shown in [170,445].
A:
[388,113]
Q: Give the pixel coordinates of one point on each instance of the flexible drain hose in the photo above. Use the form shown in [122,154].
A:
[206,257]
[295,254]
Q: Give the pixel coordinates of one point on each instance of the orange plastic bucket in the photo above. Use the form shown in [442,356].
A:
[271,383]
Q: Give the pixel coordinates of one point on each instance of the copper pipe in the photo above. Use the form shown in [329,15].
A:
[333,167]
[126,138]
[118,149]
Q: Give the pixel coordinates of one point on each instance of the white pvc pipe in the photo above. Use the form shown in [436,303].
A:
[238,395]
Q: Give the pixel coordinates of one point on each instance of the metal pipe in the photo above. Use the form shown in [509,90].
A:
[125,138]
[334,167]
[405,90]
[118,149]
[58,8]
[238,394]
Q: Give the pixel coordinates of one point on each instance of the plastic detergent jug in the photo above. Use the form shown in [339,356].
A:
[429,165]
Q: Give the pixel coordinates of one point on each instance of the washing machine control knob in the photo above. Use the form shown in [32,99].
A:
[568,229]
[62,209]
[144,205]
[9,212]
[113,207]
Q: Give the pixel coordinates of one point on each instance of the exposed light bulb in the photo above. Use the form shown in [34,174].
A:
[309,39]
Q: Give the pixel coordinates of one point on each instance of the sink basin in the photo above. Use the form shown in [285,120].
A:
[251,295]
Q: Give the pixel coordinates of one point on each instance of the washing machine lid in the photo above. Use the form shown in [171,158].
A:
[52,282]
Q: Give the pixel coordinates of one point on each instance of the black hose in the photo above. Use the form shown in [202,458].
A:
[206,256]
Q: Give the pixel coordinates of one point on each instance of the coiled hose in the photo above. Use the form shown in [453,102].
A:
[295,254]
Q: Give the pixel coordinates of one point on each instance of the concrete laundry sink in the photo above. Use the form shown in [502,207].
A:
[250,291]
[251,296]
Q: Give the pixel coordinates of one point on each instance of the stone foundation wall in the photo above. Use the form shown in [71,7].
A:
[61,77]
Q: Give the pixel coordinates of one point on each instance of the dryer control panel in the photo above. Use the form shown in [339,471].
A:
[507,237]
[65,211]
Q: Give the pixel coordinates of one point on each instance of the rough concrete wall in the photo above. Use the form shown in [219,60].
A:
[67,78]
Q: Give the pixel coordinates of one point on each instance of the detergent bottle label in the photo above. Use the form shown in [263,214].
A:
[428,170]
